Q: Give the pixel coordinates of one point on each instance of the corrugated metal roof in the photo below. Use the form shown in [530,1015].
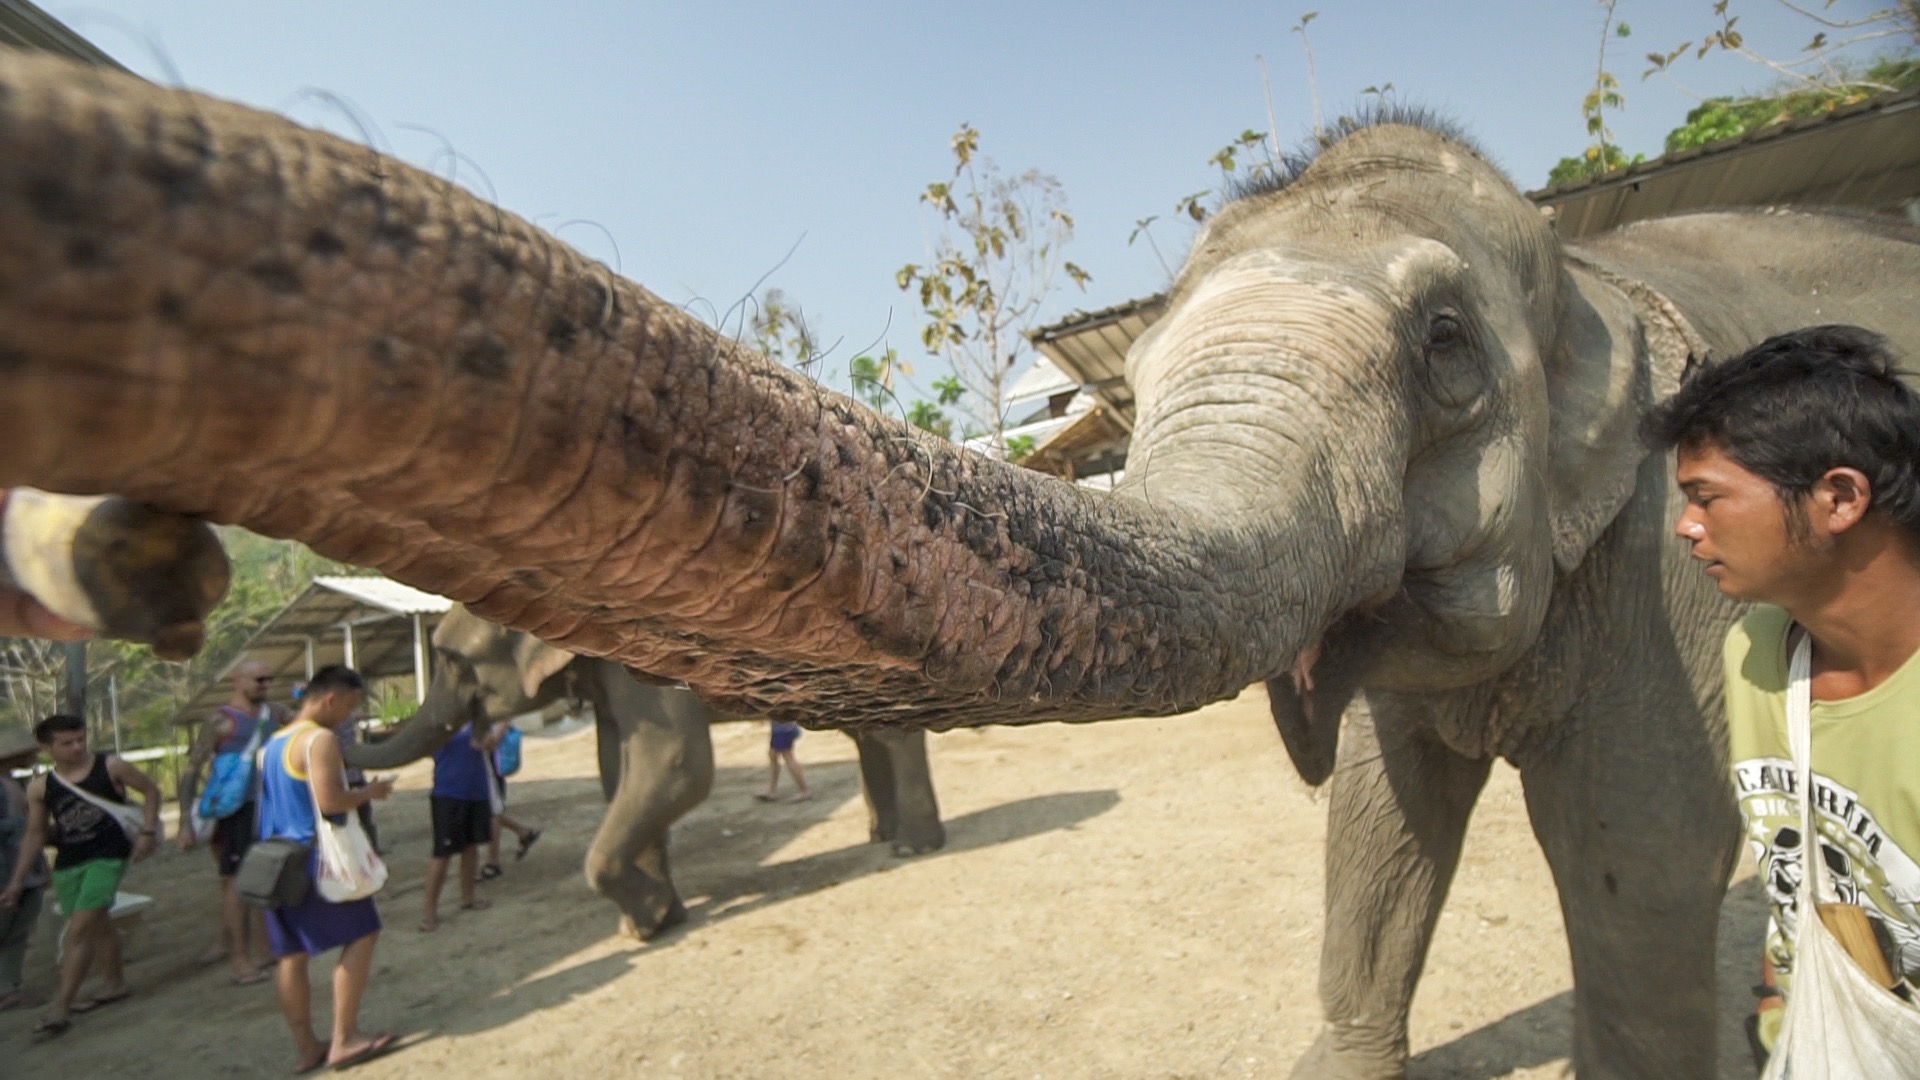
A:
[381,612]
[383,592]
[1092,347]
[1866,155]
[25,26]
[1044,379]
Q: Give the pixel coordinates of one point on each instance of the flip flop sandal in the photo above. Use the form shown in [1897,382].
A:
[317,1064]
[490,871]
[764,797]
[526,844]
[254,979]
[100,1002]
[381,1044]
[49,1028]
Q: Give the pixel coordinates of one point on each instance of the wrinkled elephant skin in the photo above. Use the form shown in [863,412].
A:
[1386,446]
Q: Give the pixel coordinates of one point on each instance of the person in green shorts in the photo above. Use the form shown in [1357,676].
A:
[80,807]
[1800,463]
[17,751]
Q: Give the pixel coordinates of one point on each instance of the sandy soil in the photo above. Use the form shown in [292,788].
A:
[1133,899]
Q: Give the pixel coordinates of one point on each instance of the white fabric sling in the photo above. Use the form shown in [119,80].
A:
[131,819]
[346,867]
[1840,1024]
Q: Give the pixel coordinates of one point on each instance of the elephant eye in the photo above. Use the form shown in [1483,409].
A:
[1443,333]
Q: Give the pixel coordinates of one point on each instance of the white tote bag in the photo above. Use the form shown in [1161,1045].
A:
[1840,1024]
[346,866]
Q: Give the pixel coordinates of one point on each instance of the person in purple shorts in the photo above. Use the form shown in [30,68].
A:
[780,748]
[289,790]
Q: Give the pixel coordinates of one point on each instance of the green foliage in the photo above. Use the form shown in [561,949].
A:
[1589,164]
[1019,446]
[873,377]
[1727,118]
[779,328]
[927,416]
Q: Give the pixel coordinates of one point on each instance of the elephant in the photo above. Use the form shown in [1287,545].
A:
[655,754]
[1385,452]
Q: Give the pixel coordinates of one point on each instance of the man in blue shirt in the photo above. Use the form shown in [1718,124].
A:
[462,821]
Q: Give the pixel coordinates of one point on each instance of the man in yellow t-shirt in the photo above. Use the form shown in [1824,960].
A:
[1800,463]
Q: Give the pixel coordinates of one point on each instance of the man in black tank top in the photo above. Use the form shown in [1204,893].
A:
[80,808]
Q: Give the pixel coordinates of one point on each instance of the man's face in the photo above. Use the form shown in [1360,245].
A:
[1738,525]
[251,681]
[68,748]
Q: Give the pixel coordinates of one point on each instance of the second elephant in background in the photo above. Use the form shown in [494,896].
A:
[655,750]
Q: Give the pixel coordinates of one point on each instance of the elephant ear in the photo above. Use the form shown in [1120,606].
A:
[1622,347]
[538,662]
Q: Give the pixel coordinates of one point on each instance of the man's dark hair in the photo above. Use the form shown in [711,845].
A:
[57,724]
[331,678]
[1799,404]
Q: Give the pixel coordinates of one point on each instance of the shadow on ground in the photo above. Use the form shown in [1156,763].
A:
[482,969]
[720,865]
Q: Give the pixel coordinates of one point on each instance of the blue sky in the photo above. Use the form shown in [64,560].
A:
[708,140]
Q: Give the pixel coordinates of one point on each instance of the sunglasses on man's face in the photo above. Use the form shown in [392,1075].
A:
[264,680]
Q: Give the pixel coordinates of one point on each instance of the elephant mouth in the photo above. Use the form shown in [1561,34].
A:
[1308,702]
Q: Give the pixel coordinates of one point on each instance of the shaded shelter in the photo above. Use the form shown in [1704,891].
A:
[375,625]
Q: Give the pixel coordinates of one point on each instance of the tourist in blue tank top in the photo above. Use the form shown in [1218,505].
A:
[288,793]
[462,808]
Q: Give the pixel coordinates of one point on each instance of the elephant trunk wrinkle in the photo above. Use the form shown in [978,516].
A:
[484,413]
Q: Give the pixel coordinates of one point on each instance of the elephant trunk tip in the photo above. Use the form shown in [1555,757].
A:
[179,641]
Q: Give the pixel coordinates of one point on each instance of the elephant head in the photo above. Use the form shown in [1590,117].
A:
[483,673]
[1381,410]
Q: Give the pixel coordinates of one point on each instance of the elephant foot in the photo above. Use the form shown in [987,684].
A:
[920,840]
[675,915]
[1324,1060]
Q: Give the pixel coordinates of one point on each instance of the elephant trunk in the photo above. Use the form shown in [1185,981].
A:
[423,733]
[218,312]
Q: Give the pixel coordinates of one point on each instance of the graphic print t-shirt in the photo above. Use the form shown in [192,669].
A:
[1866,791]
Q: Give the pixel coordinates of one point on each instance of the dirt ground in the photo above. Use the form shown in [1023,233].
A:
[1132,899]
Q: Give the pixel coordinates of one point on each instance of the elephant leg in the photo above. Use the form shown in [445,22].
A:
[876,786]
[1637,819]
[666,769]
[1400,804]
[916,808]
[606,734]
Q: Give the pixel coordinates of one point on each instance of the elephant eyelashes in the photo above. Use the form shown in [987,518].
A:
[1444,333]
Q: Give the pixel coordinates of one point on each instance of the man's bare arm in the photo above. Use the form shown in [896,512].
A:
[127,774]
[32,844]
[205,740]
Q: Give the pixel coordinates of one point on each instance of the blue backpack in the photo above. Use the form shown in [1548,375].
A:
[506,756]
[230,780]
